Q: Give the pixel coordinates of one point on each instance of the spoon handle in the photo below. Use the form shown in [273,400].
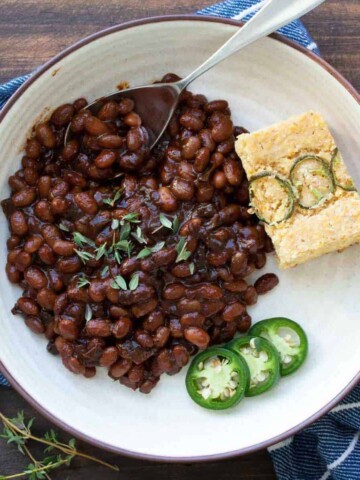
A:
[273,15]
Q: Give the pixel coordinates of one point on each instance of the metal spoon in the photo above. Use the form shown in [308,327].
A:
[156,103]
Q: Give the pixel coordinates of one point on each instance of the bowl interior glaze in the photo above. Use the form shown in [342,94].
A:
[265,83]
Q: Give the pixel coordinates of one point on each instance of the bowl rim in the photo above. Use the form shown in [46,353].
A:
[41,409]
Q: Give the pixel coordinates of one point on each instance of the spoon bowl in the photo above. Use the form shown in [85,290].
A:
[157,102]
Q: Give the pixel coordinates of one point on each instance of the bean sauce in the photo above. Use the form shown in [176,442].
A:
[135,273]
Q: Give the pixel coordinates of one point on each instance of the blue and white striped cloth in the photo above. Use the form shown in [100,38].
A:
[330,448]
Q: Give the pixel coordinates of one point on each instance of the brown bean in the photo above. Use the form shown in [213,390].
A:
[18,223]
[126,105]
[192,119]
[13,273]
[59,206]
[176,329]
[43,211]
[109,111]
[122,327]
[80,103]
[233,311]
[105,159]
[73,364]
[134,139]
[46,255]
[205,192]
[109,140]
[188,306]
[161,337]
[142,309]
[217,259]
[109,357]
[13,241]
[233,172]
[210,309]
[165,360]
[153,321]
[90,372]
[50,233]
[227,148]
[250,296]
[28,306]
[244,323]
[62,115]
[208,291]
[193,319]
[164,257]
[202,159]
[97,291]
[197,336]
[94,126]
[78,121]
[70,150]
[12,255]
[190,147]
[24,198]
[207,140]
[216,105]
[219,180]
[182,189]
[44,185]
[136,374]
[144,339]
[222,129]
[23,260]
[174,291]
[64,247]
[69,264]
[98,328]
[31,176]
[35,277]
[86,202]
[260,260]
[46,298]
[120,368]
[132,119]
[185,171]
[35,324]
[236,286]
[181,270]
[45,135]
[266,283]
[238,263]
[181,355]
[16,183]
[167,202]
[33,148]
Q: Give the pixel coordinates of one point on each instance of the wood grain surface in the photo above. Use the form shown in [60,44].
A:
[31,32]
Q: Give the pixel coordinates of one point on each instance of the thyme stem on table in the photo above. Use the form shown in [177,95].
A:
[18,432]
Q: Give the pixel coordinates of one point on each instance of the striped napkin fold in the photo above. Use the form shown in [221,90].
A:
[329,449]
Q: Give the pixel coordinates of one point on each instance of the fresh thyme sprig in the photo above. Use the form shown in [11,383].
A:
[83,281]
[88,313]
[165,222]
[145,252]
[84,256]
[81,241]
[18,432]
[111,201]
[119,282]
[183,254]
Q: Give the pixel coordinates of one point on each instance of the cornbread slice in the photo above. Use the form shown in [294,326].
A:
[332,224]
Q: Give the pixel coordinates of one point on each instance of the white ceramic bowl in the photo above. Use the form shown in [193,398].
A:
[265,83]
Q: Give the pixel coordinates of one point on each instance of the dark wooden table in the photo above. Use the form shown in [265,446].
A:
[31,32]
